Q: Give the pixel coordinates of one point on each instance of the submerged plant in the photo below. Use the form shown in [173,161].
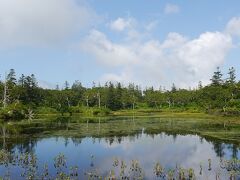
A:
[115,162]
[5,157]
[209,164]
[74,172]
[136,172]
[170,175]
[92,175]
[232,166]
[123,167]
[111,175]
[30,169]
[191,174]
[159,170]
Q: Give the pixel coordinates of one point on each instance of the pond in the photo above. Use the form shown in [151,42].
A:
[102,145]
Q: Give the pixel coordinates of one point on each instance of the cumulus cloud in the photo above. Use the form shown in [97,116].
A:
[233,26]
[41,22]
[176,59]
[201,56]
[107,52]
[171,9]
[121,24]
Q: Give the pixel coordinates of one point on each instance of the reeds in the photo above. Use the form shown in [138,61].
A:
[31,169]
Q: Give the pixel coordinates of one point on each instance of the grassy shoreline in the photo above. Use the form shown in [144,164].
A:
[226,129]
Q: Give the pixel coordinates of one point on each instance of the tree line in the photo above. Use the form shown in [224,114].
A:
[20,95]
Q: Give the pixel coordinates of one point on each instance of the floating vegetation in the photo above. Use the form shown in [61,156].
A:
[172,174]
[232,166]
[159,170]
[28,164]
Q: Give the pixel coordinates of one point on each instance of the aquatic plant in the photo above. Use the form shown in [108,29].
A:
[31,169]
[159,170]
[232,166]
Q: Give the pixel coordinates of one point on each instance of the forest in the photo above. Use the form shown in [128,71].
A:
[23,97]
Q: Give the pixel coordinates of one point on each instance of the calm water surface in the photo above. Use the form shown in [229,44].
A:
[97,151]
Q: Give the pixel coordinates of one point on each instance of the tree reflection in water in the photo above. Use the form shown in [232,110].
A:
[22,138]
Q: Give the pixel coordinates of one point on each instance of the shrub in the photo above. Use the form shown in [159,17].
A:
[15,111]
[232,111]
[76,109]
[100,112]
[46,110]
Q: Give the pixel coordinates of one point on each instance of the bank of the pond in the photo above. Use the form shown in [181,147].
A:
[222,128]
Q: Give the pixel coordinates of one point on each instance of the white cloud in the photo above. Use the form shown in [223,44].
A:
[116,77]
[201,56]
[233,26]
[46,85]
[107,52]
[121,24]
[150,26]
[41,22]
[177,59]
[171,9]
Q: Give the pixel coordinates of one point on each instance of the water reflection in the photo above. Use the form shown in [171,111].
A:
[94,143]
[170,150]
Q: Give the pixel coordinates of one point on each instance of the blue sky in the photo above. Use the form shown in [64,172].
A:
[149,42]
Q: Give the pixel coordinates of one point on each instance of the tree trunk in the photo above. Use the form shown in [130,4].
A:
[87,101]
[5,96]
[99,100]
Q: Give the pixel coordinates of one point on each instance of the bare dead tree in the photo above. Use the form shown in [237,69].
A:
[5,94]
[87,101]
[30,115]
[68,102]
[99,100]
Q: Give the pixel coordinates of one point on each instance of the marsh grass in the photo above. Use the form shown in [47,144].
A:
[226,129]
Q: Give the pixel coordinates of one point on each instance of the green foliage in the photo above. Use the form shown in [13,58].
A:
[232,76]
[100,112]
[14,111]
[231,111]
[217,77]
[46,110]
[90,111]
[220,96]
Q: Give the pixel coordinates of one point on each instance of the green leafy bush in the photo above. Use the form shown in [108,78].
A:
[232,111]
[77,109]
[100,112]
[90,111]
[46,110]
[15,111]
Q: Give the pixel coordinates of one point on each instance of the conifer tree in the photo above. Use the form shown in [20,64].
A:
[231,76]
[217,78]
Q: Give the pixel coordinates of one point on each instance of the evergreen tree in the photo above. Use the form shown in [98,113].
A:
[110,99]
[57,87]
[21,80]
[34,83]
[66,85]
[77,86]
[118,95]
[231,76]
[200,85]
[11,78]
[217,78]
[174,89]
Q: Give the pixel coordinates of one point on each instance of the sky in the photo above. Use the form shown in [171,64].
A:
[147,42]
